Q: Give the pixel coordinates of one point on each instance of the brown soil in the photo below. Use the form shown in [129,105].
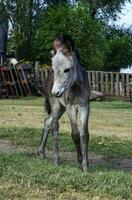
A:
[6,146]
[125,163]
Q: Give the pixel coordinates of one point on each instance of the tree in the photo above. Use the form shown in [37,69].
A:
[106,9]
[24,16]
[119,49]
[3,15]
[88,33]
[33,24]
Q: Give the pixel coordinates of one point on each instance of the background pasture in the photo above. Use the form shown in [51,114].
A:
[23,175]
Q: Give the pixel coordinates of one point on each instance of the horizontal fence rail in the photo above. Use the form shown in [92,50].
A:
[110,83]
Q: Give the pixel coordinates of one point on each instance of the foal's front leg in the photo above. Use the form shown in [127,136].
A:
[84,135]
[57,112]
[55,141]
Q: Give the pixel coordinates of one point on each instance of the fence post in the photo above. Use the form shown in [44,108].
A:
[89,77]
[127,85]
[117,84]
[93,79]
[102,81]
[112,83]
[106,83]
[123,84]
[97,80]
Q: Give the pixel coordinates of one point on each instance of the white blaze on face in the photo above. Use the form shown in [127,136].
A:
[63,73]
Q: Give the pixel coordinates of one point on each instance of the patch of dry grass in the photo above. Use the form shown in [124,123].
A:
[14,191]
[103,121]
[21,116]
[111,122]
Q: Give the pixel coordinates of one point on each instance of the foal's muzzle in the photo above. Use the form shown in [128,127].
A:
[57,93]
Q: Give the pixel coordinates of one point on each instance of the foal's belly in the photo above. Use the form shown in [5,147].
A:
[74,99]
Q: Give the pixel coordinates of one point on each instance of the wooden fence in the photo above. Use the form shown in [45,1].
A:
[110,83]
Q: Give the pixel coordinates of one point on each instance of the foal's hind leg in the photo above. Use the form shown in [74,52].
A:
[72,112]
[84,135]
[45,133]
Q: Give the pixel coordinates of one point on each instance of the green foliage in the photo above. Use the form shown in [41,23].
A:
[119,50]
[100,47]
[106,9]
[23,16]
[88,33]
[33,24]
[3,14]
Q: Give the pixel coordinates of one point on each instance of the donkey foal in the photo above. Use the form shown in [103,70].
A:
[67,89]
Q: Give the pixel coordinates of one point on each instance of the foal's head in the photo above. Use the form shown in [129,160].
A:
[64,72]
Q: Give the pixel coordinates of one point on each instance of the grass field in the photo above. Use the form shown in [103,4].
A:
[23,175]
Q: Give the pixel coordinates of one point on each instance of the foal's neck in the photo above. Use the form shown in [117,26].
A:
[79,77]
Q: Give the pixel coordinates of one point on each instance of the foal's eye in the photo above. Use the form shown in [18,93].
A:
[66,70]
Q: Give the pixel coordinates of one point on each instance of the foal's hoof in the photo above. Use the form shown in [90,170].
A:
[85,168]
[41,154]
[79,160]
[85,171]
[56,161]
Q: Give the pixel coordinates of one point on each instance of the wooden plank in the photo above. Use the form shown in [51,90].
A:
[18,80]
[23,80]
[106,83]
[93,80]
[127,85]
[116,86]
[13,80]
[89,78]
[112,83]
[123,84]
[27,85]
[4,81]
[97,80]
[9,80]
[102,81]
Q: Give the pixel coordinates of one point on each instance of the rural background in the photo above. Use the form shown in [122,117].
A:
[105,47]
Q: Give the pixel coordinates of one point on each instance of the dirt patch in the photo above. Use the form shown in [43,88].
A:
[6,146]
[123,163]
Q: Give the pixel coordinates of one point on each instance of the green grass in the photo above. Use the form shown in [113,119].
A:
[25,101]
[110,146]
[26,170]
[23,175]
[112,105]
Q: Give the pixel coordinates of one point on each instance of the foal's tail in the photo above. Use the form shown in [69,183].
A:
[47,106]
